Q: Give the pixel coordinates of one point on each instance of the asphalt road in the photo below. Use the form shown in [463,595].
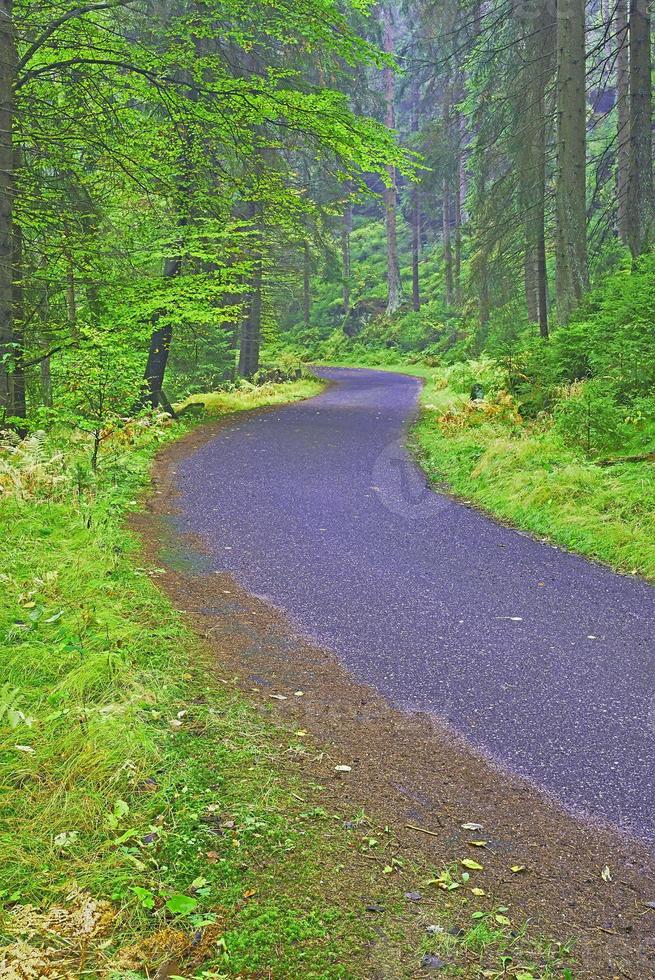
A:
[541,659]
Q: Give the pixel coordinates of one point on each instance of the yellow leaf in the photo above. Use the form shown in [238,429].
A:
[471,865]
[477,843]
[502,920]
[478,892]
[517,868]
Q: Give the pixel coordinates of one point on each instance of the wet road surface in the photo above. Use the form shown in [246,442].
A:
[541,659]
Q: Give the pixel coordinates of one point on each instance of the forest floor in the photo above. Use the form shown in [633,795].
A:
[174,816]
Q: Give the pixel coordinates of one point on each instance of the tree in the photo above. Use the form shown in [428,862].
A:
[571,215]
[394,283]
[640,210]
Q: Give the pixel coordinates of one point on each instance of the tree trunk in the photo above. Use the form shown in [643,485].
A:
[346,232]
[447,250]
[530,279]
[457,252]
[542,283]
[640,184]
[7,72]
[17,378]
[416,249]
[307,285]
[251,327]
[160,345]
[623,119]
[539,59]
[394,284]
[570,204]
[71,298]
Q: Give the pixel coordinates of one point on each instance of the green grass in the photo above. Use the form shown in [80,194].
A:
[122,752]
[532,479]
[251,396]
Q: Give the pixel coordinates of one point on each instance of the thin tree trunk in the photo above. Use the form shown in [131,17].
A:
[447,250]
[539,60]
[307,285]
[446,204]
[571,215]
[457,251]
[7,73]
[346,232]
[160,345]
[17,379]
[530,280]
[394,284]
[623,119]
[71,299]
[416,249]
[640,184]
[542,284]
[251,327]
[46,382]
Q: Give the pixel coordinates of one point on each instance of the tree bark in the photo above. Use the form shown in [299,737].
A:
[571,214]
[251,327]
[457,250]
[394,284]
[446,203]
[640,183]
[160,345]
[416,249]
[307,285]
[622,119]
[346,232]
[7,75]
[447,249]
[17,378]
[539,61]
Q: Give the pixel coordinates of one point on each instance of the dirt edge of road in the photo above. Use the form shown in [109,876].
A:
[407,769]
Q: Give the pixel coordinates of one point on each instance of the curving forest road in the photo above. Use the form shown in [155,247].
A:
[541,659]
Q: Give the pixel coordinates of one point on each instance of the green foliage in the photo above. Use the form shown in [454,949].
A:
[589,417]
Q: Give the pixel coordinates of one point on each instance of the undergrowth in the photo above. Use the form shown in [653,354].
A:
[529,473]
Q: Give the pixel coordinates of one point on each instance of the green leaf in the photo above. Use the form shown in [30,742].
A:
[181,904]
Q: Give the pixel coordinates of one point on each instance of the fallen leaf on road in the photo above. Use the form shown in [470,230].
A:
[279,697]
[478,892]
[343,768]
[517,868]
[472,826]
[472,865]
[502,920]
[477,843]
[606,874]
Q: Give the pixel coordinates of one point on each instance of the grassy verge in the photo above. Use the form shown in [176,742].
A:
[526,474]
[150,820]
